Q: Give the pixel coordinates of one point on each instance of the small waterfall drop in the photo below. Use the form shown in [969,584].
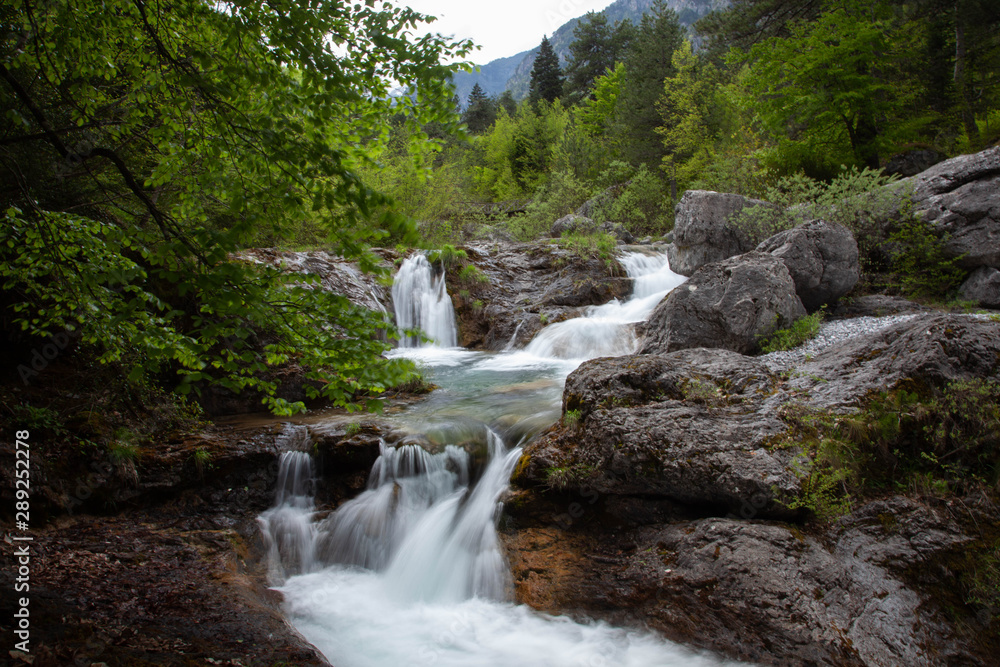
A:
[287,527]
[421,301]
[607,331]
[421,521]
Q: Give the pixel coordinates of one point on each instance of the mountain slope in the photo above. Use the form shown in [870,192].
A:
[514,72]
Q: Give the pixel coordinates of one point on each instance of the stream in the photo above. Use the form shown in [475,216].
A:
[411,571]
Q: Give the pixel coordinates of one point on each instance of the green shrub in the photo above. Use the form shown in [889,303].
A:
[919,263]
[803,329]
[641,206]
[202,460]
[471,273]
[597,245]
[124,453]
[943,442]
[866,202]
[448,255]
[571,418]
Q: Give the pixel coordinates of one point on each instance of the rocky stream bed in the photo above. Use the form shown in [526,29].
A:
[662,498]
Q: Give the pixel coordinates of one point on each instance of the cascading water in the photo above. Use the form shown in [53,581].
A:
[287,527]
[421,301]
[606,331]
[411,572]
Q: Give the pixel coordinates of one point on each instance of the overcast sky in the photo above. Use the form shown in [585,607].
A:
[502,28]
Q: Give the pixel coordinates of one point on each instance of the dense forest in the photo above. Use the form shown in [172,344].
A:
[142,143]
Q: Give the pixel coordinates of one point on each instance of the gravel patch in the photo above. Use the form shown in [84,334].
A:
[833,332]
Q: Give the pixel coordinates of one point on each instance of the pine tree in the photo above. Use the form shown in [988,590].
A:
[591,55]
[480,112]
[647,64]
[546,76]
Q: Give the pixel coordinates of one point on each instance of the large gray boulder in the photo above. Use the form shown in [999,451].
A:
[691,426]
[961,196]
[730,304]
[703,232]
[699,426]
[769,593]
[572,223]
[822,258]
[983,287]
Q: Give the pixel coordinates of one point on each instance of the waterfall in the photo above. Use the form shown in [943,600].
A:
[412,570]
[607,330]
[422,521]
[287,527]
[421,301]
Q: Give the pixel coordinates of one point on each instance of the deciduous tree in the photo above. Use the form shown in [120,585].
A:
[143,142]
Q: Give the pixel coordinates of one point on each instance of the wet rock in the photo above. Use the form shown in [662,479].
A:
[571,288]
[983,287]
[822,259]
[961,197]
[730,304]
[176,586]
[350,447]
[703,232]
[525,285]
[764,592]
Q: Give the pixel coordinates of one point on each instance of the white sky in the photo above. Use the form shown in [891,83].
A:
[501,28]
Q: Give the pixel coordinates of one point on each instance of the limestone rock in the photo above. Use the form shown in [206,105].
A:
[729,304]
[961,197]
[875,305]
[822,259]
[572,223]
[983,287]
[702,231]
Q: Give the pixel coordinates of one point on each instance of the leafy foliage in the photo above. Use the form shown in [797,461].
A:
[647,63]
[920,263]
[866,202]
[148,142]
[943,439]
[803,329]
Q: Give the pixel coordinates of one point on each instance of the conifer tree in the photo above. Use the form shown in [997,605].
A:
[480,112]
[647,64]
[546,75]
[591,55]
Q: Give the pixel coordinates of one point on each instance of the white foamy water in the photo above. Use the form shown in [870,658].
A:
[412,572]
[421,301]
[606,330]
[357,620]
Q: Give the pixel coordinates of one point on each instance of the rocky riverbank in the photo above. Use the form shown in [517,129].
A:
[686,490]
